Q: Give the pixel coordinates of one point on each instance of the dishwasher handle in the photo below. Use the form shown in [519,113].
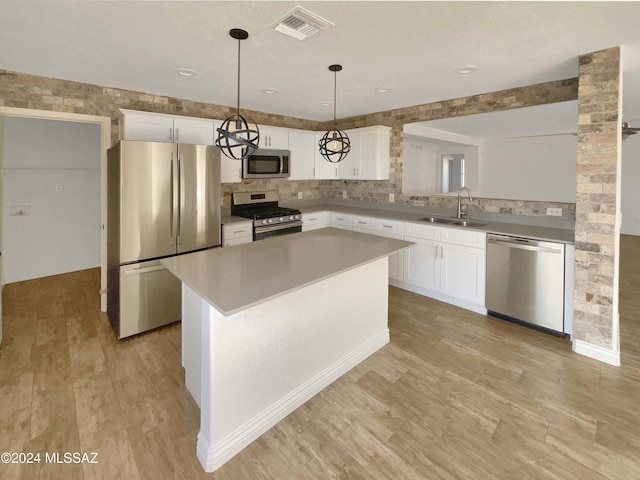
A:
[522,246]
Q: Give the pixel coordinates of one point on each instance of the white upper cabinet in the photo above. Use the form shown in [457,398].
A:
[230,169]
[195,131]
[157,127]
[274,137]
[301,145]
[324,170]
[369,156]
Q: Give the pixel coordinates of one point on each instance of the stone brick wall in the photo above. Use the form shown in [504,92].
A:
[378,191]
[598,198]
[41,93]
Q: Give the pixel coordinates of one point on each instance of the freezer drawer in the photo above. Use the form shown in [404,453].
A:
[150,297]
[525,281]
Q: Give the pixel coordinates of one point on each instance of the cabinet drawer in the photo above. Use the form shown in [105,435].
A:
[365,223]
[237,230]
[425,232]
[341,220]
[459,236]
[391,228]
[315,218]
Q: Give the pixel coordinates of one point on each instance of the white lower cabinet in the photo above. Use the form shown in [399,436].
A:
[447,263]
[237,233]
[422,264]
[383,228]
[314,221]
[340,220]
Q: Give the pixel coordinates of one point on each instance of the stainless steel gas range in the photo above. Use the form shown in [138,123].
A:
[269,219]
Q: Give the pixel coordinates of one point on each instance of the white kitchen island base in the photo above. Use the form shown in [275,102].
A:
[249,370]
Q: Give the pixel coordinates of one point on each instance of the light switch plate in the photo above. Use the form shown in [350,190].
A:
[392,197]
[344,194]
[299,195]
[556,212]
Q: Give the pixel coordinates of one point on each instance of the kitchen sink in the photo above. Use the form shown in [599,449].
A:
[468,223]
[439,220]
[460,222]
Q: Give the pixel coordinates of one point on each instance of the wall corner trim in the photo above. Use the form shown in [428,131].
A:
[596,352]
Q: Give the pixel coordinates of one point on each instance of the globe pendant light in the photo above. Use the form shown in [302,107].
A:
[335,144]
[238,136]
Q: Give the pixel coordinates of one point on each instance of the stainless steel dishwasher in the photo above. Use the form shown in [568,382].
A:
[525,281]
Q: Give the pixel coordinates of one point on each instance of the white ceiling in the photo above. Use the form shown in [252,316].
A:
[411,47]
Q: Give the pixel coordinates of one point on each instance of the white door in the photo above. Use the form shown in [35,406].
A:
[192,131]
[422,265]
[323,169]
[148,128]
[302,149]
[463,272]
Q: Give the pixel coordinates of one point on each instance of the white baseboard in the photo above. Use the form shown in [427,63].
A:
[596,352]
[474,307]
[214,456]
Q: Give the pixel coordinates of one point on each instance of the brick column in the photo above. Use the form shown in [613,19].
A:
[596,331]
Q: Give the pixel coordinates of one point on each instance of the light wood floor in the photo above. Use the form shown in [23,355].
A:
[455,395]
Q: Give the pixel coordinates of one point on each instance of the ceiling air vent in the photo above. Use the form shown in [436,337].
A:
[300,23]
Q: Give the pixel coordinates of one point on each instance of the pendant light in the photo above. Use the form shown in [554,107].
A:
[238,136]
[335,144]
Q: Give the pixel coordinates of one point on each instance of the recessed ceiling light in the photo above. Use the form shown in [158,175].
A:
[326,104]
[383,90]
[467,69]
[270,91]
[187,72]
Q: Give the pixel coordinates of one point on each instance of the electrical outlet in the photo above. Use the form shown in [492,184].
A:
[299,195]
[344,194]
[58,187]
[20,210]
[392,197]
[556,212]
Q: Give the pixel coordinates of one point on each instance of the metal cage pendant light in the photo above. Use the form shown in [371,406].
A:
[238,136]
[335,144]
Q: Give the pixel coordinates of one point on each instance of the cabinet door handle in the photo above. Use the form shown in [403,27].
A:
[170,134]
[239,231]
[177,135]
[387,226]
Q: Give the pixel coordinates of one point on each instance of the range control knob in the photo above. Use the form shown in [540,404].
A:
[281,219]
[264,222]
[292,217]
[270,220]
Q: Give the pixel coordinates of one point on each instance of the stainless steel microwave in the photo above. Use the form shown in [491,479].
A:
[267,163]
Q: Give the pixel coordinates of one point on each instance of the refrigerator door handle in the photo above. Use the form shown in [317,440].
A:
[171,200]
[182,194]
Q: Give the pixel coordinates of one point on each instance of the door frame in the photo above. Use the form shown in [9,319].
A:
[105,144]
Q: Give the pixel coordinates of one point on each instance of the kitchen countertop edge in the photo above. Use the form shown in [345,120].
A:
[203,271]
[535,232]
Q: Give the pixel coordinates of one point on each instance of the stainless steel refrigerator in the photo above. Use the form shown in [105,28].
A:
[163,200]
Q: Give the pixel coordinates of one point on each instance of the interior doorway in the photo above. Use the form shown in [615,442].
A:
[11,114]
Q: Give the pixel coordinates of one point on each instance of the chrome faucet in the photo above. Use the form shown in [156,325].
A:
[460,213]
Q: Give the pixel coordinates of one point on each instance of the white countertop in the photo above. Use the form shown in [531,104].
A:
[237,278]
[537,232]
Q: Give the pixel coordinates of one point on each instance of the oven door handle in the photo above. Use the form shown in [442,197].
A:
[280,226]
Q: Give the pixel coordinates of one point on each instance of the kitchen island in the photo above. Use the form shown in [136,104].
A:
[267,325]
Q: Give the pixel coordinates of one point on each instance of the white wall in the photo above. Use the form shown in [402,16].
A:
[630,185]
[529,168]
[420,167]
[62,233]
